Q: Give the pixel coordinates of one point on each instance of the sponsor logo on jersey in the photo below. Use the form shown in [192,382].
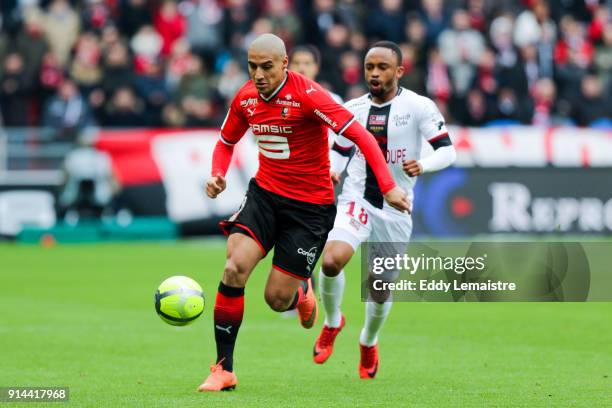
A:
[377,120]
[396,155]
[251,111]
[288,97]
[326,119]
[266,129]
[312,89]
[401,120]
[292,104]
[310,254]
[248,102]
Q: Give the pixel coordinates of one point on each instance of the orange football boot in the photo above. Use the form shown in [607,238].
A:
[324,345]
[368,365]
[219,379]
[308,308]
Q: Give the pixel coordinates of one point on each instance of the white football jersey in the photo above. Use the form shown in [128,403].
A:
[399,127]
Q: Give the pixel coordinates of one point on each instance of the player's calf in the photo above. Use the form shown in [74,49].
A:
[285,292]
[279,300]
[282,291]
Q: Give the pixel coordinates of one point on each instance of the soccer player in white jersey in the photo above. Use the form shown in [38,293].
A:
[400,120]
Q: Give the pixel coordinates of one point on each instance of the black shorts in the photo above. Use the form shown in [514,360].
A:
[297,229]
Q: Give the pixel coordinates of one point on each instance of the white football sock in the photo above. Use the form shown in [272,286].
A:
[331,289]
[375,317]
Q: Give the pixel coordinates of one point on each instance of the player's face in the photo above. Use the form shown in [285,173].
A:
[382,72]
[267,70]
[305,64]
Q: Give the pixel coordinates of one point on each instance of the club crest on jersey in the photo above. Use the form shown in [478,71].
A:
[379,120]
[285,112]
[248,102]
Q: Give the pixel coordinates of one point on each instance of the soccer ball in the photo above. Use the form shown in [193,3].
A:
[179,300]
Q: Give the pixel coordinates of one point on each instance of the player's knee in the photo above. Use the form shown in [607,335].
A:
[278,300]
[332,264]
[380,296]
[234,274]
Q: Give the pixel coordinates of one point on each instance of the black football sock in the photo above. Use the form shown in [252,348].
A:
[229,309]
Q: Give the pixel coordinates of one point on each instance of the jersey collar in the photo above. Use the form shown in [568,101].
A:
[399,91]
[277,90]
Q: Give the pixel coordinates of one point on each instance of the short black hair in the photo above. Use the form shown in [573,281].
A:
[392,46]
[310,49]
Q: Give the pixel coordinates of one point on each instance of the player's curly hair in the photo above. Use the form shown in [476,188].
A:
[392,46]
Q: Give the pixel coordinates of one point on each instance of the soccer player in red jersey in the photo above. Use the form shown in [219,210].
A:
[289,204]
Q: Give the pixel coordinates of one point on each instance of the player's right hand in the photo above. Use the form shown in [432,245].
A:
[215,185]
[335,177]
[398,199]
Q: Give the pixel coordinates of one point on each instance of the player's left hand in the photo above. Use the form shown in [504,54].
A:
[412,168]
[398,199]
[335,177]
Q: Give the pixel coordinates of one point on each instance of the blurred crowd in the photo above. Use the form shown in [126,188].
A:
[134,63]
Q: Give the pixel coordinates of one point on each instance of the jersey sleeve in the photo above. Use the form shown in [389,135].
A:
[325,109]
[341,149]
[433,129]
[340,153]
[432,125]
[235,124]
[233,128]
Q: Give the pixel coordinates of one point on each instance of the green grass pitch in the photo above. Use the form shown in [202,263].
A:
[82,316]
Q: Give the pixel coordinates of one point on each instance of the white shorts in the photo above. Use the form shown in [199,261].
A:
[358,221]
